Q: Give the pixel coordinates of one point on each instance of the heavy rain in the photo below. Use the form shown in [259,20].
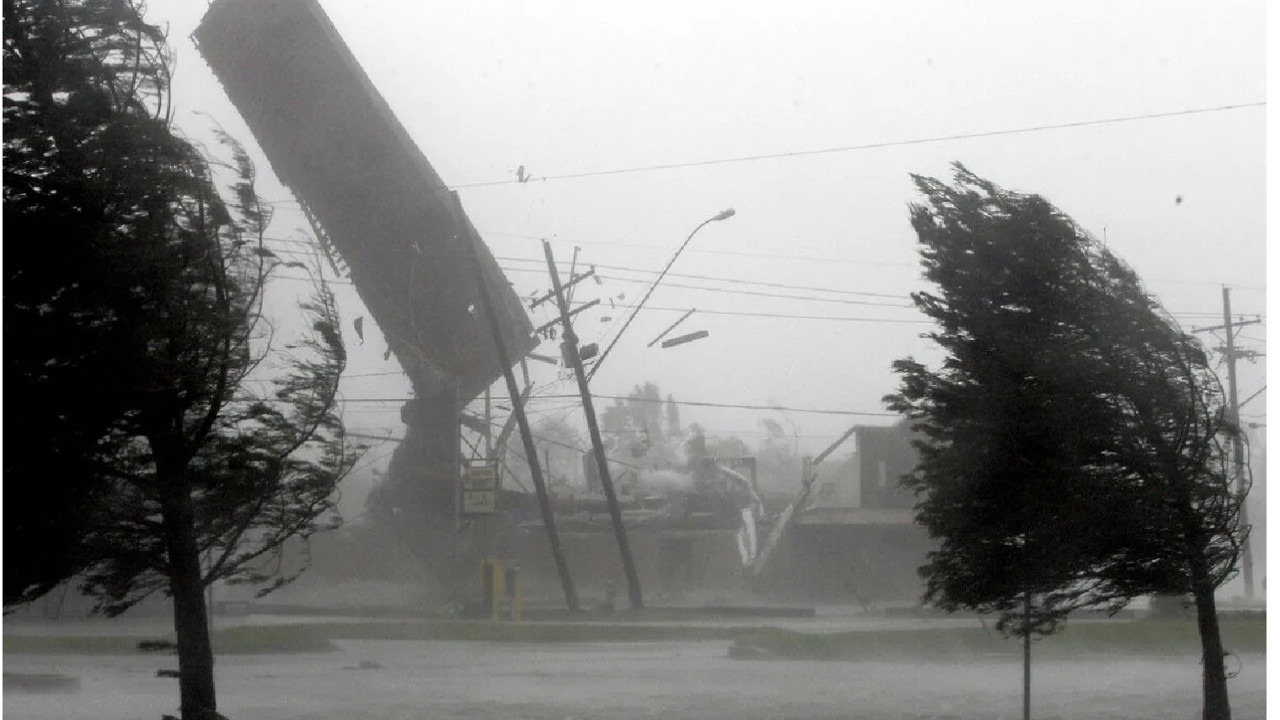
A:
[587,360]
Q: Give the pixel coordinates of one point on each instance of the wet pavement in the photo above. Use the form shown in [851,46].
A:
[412,680]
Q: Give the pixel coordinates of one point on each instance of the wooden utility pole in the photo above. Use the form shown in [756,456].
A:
[1237,441]
[606,481]
[517,407]
[1231,354]
[488,426]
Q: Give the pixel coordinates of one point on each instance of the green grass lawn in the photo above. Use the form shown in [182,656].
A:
[1137,637]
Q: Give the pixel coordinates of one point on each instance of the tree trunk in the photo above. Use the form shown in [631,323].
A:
[1215,703]
[1026,656]
[190,618]
[1216,706]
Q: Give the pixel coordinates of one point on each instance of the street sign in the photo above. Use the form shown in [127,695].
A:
[480,488]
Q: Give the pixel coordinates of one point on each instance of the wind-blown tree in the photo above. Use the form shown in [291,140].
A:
[1072,452]
[81,82]
[205,444]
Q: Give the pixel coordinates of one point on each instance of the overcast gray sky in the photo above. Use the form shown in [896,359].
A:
[566,88]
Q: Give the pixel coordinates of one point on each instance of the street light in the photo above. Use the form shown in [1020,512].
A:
[722,215]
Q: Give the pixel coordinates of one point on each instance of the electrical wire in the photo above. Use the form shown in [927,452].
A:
[740,281]
[867,146]
[691,403]
[763,314]
[715,278]
[701,251]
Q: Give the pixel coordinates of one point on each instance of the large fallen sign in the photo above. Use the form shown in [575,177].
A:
[367,189]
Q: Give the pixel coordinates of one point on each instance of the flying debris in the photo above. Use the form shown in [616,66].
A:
[671,327]
[697,335]
[285,85]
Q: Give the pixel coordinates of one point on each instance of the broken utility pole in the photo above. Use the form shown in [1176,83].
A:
[597,446]
[517,407]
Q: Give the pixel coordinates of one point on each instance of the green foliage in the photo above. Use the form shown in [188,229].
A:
[137,291]
[83,122]
[171,442]
[1072,437]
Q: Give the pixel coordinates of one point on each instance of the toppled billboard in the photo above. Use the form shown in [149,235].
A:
[366,187]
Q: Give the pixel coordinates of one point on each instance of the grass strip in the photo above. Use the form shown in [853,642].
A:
[1083,640]
[246,640]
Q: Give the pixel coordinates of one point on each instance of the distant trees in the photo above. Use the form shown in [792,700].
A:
[778,460]
[557,441]
[174,440]
[1072,451]
[639,429]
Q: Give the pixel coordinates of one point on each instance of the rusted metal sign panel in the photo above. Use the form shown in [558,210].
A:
[366,187]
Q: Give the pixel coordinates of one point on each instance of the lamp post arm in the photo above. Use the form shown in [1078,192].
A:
[636,310]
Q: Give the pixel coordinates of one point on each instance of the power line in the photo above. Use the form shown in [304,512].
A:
[705,312]
[713,278]
[761,283]
[751,293]
[789,316]
[375,374]
[804,258]
[691,403]
[738,281]
[733,253]
[868,146]
[510,449]
[750,314]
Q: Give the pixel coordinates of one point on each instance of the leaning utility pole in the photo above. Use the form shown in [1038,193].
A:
[1237,441]
[606,481]
[517,407]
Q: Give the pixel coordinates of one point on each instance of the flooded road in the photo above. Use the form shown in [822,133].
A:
[417,680]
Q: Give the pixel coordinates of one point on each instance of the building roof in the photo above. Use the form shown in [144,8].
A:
[366,187]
